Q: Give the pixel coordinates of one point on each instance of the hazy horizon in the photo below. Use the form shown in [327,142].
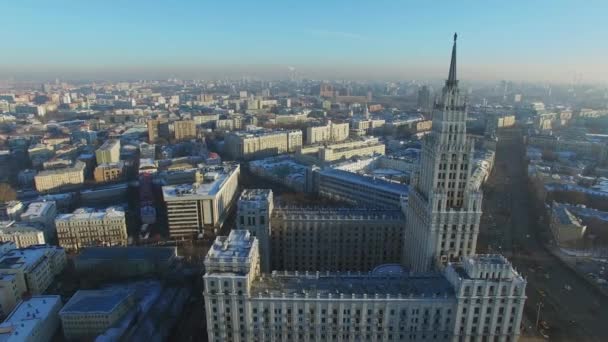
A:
[556,42]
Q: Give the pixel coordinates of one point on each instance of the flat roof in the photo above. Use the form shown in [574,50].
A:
[92,214]
[255,194]
[382,184]
[237,244]
[207,189]
[427,284]
[95,301]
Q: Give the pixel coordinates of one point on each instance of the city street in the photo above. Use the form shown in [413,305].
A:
[572,308]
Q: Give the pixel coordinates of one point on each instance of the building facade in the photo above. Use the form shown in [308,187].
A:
[330,132]
[195,208]
[246,145]
[21,233]
[184,129]
[35,319]
[443,211]
[479,299]
[54,179]
[320,239]
[109,172]
[88,227]
[109,152]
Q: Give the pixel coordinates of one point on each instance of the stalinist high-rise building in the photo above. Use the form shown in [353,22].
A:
[443,211]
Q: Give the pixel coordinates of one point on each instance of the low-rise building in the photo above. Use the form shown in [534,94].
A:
[109,172]
[249,145]
[11,210]
[88,227]
[35,319]
[22,234]
[567,229]
[127,262]
[55,179]
[90,313]
[43,214]
[28,271]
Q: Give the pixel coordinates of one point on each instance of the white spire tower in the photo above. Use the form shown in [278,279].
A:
[443,211]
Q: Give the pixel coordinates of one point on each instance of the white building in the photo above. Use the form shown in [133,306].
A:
[443,210]
[248,145]
[22,234]
[330,132]
[193,208]
[480,298]
[28,270]
[109,152]
[35,319]
[88,227]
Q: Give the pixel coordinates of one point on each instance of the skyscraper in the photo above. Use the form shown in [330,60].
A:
[443,211]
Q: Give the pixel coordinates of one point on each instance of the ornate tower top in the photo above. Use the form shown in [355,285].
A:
[452,81]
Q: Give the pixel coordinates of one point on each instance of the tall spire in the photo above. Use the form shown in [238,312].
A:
[452,81]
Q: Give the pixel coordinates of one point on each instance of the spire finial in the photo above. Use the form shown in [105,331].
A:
[452,75]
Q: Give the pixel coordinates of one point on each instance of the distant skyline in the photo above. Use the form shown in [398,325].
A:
[547,41]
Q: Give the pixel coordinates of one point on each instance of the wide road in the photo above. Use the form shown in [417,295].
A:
[510,225]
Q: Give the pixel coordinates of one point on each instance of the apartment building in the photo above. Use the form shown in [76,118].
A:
[22,234]
[89,227]
[55,179]
[331,132]
[184,129]
[324,153]
[158,128]
[248,145]
[109,172]
[109,152]
[480,298]
[296,238]
[195,208]
[28,270]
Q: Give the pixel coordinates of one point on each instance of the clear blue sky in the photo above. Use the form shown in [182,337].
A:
[526,39]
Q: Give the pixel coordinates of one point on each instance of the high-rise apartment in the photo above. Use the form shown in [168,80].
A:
[443,210]
[184,129]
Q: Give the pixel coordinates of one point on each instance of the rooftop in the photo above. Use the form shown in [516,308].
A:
[37,209]
[214,179]
[237,244]
[95,301]
[109,144]
[26,315]
[348,284]
[92,214]
[255,194]
[15,228]
[400,189]
[24,258]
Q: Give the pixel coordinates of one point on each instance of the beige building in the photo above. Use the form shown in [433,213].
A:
[55,179]
[157,128]
[481,298]
[109,152]
[21,233]
[320,239]
[247,145]
[322,153]
[184,129]
[109,172]
[90,313]
[194,208]
[87,227]
[330,132]
[567,229]
[362,127]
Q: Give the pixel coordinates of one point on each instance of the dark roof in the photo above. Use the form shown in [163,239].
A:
[127,253]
